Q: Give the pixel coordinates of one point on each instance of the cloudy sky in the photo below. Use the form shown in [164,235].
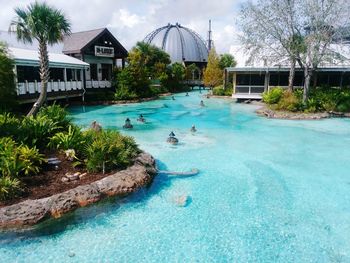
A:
[132,20]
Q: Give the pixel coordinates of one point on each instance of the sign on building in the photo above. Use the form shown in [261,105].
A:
[104,51]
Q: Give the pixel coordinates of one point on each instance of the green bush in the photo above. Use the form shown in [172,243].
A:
[18,160]
[9,125]
[289,102]
[273,96]
[71,139]
[108,150]
[124,93]
[9,188]
[57,114]
[220,91]
[36,131]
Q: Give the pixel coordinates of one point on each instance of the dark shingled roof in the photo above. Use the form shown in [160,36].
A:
[76,41]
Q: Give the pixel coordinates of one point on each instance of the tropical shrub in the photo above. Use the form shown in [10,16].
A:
[289,102]
[108,150]
[125,93]
[9,188]
[36,131]
[18,160]
[9,125]
[57,114]
[273,96]
[71,139]
[220,91]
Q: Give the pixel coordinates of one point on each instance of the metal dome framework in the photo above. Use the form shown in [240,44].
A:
[193,48]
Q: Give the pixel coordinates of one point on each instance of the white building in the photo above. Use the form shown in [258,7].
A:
[83,62]
[251,79]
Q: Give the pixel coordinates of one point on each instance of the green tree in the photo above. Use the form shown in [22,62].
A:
[7,81]
[47,25]
[176,73]
[213,74]
[192,72]
[145,63]
[227,60]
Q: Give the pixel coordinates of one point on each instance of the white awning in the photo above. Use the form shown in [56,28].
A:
[27,57]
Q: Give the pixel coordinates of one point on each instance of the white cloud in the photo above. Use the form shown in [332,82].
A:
[130,21]
[123,18]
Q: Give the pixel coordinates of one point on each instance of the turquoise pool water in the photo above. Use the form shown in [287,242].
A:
[268,191]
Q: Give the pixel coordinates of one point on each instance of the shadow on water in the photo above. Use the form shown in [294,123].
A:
[85,215]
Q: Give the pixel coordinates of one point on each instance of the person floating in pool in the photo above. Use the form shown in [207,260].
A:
[201,103]
[128,124]
[187,94]
[172,139]
[96,126]
[141,118]
[193,128]
[173,97]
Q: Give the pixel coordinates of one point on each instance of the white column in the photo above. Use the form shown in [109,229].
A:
[267,80]
[65,78]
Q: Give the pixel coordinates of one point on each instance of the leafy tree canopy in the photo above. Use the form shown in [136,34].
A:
[7,81]
[213,73]
[227,60]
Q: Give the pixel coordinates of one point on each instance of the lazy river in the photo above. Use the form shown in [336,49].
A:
[267,191]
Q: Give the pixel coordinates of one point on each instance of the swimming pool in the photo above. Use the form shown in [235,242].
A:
[268,191]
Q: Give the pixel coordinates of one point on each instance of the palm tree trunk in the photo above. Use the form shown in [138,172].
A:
[291,74]
[44,77]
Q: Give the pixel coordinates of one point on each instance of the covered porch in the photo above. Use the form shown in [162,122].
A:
[66,75]
[250,83]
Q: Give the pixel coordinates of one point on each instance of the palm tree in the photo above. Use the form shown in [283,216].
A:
[47,25]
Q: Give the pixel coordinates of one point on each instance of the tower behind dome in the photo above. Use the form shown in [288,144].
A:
[181,43]
[210,41]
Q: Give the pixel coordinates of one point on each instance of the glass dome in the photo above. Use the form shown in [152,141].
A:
[181,43]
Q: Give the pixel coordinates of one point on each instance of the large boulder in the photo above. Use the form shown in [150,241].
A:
[29,212]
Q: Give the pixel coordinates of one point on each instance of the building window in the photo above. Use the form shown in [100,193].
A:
[346,79]
[279,79]
[257,79]
[106,71]
[243,79]
[57,74]
[250,79]
[93,72]
[27,73]
[298,79]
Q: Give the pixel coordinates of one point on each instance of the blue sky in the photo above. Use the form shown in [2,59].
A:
[132,20]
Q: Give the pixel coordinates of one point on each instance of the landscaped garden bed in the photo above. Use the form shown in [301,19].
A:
[321,103]
[46,155]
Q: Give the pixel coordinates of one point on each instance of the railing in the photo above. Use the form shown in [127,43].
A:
[249,89]
[197,82]
[26,87]
[97,84]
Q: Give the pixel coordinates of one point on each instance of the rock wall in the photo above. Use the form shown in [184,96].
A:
[266,112]
[31,212]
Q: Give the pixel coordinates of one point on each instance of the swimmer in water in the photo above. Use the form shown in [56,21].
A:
[141,118]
